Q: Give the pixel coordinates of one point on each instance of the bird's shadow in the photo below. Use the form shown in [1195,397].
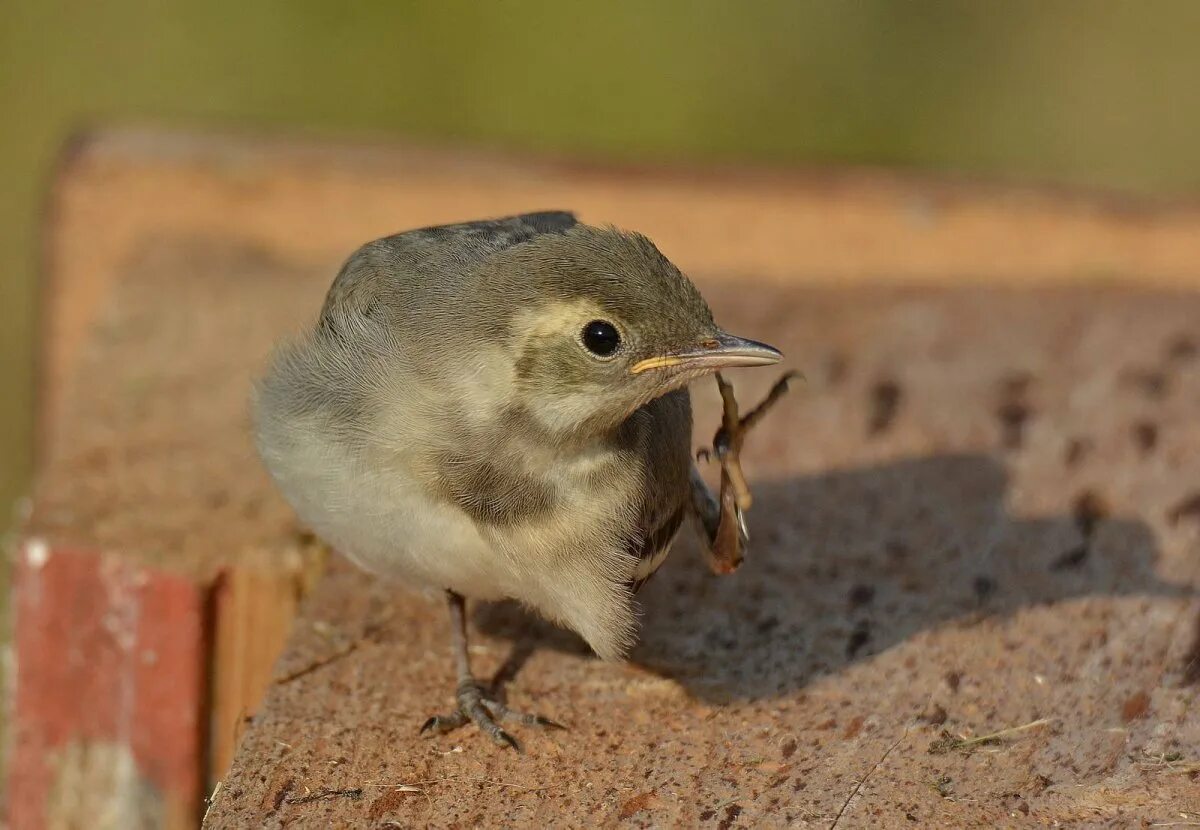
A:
[846,564]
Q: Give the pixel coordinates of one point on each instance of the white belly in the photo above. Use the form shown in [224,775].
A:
[386,524]
[573,566]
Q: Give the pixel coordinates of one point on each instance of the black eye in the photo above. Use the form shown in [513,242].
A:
[601,337]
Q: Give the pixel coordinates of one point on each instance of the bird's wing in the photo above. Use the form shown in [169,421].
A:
[472,242]
[653,548]
[667,488]
[507,230]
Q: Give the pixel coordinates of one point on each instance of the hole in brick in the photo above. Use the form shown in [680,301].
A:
[858,638]
[1016,385]
[1188,508]
[953,680]
[837,366]
[984,587]
[1073,558]
[1014,411]
[1077,450]
[767,625]
[1191,660]
[1145,436]
[1182,348]
[1152,383]
[1090,508]
[885,401]
[861,595]
[1013,415]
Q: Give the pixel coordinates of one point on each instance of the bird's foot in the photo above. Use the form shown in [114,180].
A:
[475,704]
[728,441]
[735,499]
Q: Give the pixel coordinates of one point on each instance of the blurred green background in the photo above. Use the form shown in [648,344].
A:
[1104,94]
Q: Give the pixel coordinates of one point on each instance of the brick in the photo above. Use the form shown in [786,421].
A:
[110,664]
[158,317]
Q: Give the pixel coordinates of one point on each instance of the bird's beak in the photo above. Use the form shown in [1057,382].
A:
[722,351]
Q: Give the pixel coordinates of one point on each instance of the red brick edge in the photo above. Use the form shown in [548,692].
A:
[110,687]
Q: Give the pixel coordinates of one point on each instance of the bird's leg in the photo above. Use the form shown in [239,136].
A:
[723,518]
[475,702]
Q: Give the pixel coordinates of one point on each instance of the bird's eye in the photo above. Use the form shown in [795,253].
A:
[600,337]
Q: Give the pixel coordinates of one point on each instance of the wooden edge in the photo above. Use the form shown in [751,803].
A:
[254,610]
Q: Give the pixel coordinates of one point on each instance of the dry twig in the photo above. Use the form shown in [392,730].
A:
[951,743]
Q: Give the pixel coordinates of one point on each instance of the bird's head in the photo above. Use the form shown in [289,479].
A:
[597,323]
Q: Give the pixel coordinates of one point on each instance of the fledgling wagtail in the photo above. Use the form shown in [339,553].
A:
[498,409]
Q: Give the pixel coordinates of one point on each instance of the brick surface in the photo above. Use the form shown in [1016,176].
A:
[109,705]
[959,528]
[177,260]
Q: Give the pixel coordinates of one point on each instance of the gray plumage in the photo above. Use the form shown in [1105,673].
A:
[444,423]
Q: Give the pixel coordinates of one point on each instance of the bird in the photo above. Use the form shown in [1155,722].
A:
[499,409]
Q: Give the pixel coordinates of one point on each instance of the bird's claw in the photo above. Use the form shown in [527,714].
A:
[731,435]
[474,704]
[735,498]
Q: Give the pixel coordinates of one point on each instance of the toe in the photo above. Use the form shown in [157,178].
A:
[441,724]
[546,723]
[501,711]
[502,738]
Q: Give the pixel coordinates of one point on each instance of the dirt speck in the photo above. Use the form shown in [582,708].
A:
[1089,509]
[1188,508]
[1182,348]
[1151,383]
[934,715]
[858,638]
[1136,707]
[983,586]
[636,805]
[1145,436]
[281,794]
[731,815]
[1038,784]
[1073,558]
[1076,451]
[767,625]
[837,366]
[1013,416]
[1016,385]
[1191,660]
[387,803]
[861,594]
[885,402]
